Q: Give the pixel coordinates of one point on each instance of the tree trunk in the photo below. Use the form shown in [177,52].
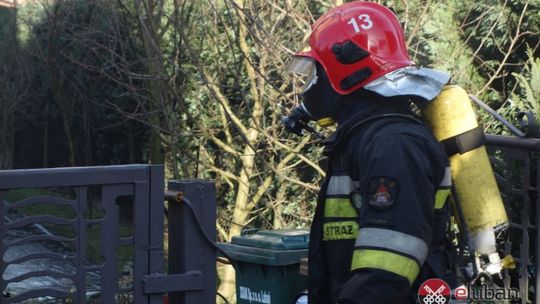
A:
[6,142]
[155,155]
[131,147]
[57,87]
[46,136]
[87,135]
[278,205]
[242,206]
[66,121]
[154,67]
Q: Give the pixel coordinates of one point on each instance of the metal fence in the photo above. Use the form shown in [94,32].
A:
[95,235]
[516,162]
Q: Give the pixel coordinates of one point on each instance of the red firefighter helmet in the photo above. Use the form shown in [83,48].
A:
[355,43]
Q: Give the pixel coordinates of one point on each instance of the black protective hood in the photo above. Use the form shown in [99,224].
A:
[363,107]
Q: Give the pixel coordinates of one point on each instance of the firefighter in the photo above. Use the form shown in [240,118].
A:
[381,219]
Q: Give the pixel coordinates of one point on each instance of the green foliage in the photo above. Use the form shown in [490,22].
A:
[119,75]
[528,95]
[445,48]
[77,92]
[20,194]
[481,44]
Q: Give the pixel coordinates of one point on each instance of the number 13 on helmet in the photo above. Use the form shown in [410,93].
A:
[355,43]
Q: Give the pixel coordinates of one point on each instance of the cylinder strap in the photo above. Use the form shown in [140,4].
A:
[464,142]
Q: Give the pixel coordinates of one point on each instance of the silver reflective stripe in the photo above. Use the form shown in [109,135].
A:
[447,179]
[340,185]
[410,80]
[393,240]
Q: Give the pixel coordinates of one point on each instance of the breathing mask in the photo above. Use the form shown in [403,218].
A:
[319,100]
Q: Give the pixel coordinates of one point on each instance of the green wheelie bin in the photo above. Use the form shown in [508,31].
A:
[268,265]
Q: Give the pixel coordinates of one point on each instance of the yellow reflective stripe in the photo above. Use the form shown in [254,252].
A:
[346,230]
[385,260]
[440,197]
[339,207]
[325,122]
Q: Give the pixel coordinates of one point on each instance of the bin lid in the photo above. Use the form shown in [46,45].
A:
[281,239]
[268,247]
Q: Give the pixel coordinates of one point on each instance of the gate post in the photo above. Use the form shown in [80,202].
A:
[188,251]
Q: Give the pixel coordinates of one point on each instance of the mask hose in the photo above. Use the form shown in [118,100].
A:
[295,122]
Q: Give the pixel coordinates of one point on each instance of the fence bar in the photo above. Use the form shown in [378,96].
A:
[537,239]
[75,176]
[188,250]
[156,227]
[513,142]
[520,162]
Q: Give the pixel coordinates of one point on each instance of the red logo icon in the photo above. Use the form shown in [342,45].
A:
[434,291]
[461,293]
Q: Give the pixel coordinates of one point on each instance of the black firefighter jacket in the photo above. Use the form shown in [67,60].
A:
[381,218]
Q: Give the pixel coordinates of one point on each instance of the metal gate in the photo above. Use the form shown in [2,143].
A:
[516,162]
[95,235]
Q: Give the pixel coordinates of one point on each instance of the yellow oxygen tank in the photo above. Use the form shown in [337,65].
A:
[452,119]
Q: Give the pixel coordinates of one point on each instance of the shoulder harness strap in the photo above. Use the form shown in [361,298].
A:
[346,130]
